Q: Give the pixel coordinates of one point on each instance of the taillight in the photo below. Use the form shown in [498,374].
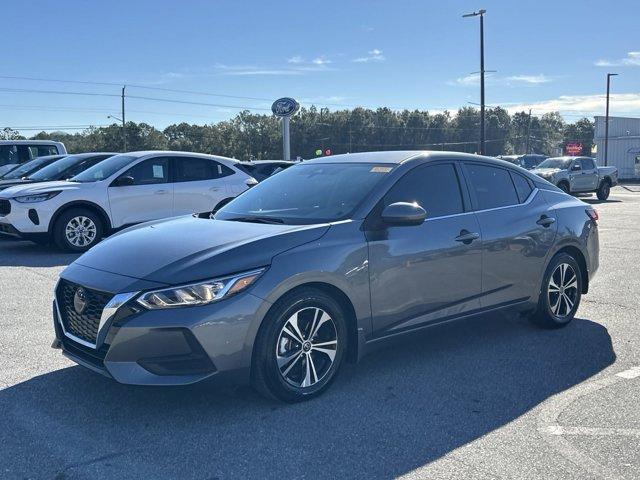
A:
[592,213]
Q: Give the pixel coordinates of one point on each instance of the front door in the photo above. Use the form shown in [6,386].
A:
[429,272]
[150,197]
[589,177]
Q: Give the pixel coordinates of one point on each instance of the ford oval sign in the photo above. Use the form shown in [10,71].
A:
[285,107]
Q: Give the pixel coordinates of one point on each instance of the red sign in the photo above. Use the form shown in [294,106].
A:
[573,148]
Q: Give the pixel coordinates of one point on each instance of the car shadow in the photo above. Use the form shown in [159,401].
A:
[595,201]
[399,409]
[23,253]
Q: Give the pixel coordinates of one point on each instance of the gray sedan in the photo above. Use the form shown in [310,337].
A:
[317,265]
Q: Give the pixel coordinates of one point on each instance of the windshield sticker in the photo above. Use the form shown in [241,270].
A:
[381,169]
[158,171]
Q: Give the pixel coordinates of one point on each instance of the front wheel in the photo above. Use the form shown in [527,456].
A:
[300,346]
[77,230]
[604,190]
[560,293]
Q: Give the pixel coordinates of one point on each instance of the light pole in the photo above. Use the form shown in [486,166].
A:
[480,13]
[606,121]
[124,133]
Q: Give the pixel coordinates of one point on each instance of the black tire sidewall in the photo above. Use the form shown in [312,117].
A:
[604,191]
[266,359]
[544,309]
[59,236]
[565,188]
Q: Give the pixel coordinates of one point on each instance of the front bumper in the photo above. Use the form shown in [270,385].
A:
[169,347]
[26,219]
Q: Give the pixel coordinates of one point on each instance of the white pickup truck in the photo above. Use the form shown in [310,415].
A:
[578,175]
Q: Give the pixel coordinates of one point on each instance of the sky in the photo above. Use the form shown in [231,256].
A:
[547,55]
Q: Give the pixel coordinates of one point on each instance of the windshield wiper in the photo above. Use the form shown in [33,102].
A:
[256,219]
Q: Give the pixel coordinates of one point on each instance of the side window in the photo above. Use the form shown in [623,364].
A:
[492,186]
[575,166]
[36,151]
[149,172]
[193,169]
[523,187]
[587,164]
[434,187]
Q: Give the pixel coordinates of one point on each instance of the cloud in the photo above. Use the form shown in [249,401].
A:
[491,79]
[247,70]
[374,55]
[587,105]
[295,59]
[631,60]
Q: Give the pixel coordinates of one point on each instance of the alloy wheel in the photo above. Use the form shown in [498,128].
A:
[306,347]
[562,290]
[80,231]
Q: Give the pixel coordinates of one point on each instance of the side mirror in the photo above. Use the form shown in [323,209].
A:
[124,181]
[404,214]
[575,167]
[250,182]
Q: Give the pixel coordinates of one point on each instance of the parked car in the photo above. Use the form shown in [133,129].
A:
[318,264]
[262,169]
[18,173]
[15,152]
[578,175]
[528,161]
[56,167]
[117,192]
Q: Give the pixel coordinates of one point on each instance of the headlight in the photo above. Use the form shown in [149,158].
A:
[201,293]
[36,197]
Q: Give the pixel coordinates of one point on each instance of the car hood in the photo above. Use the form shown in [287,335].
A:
[187,249]
[545,172]
[38,188]
[4,184]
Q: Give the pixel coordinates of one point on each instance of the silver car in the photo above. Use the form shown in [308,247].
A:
[318,264]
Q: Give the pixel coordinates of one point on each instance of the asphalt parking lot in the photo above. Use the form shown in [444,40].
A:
[486,398]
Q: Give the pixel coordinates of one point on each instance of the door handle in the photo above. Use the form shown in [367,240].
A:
[467,237]
[161,192]
[546,221]
[214,189]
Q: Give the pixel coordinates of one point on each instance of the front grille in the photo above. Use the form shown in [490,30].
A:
[82,324]
[5,207]
[89,355]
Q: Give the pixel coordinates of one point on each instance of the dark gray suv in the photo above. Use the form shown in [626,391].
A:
[316,265]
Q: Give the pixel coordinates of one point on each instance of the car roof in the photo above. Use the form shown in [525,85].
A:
[90,154]
[29,142]
[176,153]
[398,157]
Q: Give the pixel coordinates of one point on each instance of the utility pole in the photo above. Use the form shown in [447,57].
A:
[124,125]
[528,132]
[481,13]
[606,121]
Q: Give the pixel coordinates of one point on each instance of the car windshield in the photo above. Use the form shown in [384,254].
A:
[104,169]
[562,163]
[307,193]
[54,170]
[26,168]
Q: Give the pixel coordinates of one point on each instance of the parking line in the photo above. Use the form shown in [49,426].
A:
[630,374]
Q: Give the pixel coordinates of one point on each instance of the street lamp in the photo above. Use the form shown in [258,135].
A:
[606,121]
[480,13]
[124,131]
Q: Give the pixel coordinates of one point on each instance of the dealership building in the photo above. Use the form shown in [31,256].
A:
[624,145]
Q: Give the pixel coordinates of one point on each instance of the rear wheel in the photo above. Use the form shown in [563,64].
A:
[300,347]
[604,190]
[560,293]
[77,230]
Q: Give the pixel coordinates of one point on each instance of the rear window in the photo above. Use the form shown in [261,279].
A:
[491,186]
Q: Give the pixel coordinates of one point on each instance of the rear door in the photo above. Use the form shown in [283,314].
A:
[149,198]
[200,184]
[589,177]
[518,229]
[425,273]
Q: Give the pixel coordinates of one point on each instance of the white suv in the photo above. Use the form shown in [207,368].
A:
[117,192]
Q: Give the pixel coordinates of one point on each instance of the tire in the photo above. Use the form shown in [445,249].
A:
[556,310]
[87,226]
[291,364]
[604,190]
[564,186]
